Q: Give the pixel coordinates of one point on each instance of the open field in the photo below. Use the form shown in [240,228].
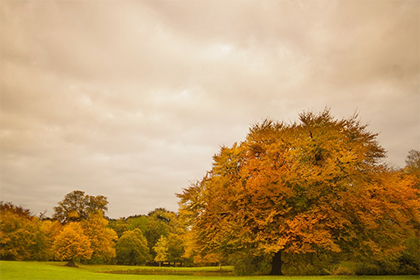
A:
[57,271]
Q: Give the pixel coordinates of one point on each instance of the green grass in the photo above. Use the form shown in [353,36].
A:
[58,271]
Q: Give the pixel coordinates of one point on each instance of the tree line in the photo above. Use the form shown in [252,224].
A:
[80,232]
[300,198]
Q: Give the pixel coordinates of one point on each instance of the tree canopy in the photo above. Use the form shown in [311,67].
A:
[132,248]
[21,235]
[72,244]
[100,236]
[317,186]
[77,206]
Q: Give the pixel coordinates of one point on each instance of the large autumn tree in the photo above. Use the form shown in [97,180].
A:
[316,186]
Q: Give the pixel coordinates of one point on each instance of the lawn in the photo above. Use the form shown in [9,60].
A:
[57,271]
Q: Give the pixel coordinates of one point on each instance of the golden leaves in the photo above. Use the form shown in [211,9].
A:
[72,243]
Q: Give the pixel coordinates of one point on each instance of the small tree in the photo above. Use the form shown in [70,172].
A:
[71,244]
[161,249]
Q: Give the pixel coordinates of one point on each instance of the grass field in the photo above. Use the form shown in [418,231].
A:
[57,271]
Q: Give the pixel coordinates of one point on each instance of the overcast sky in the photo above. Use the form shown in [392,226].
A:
[131,99]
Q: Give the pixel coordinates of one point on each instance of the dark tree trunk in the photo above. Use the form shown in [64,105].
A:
[276,264]
[71,263]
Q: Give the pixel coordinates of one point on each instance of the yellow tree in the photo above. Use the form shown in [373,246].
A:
[102,238]
[161,250]
[21,235]
[317,186]
[72,244]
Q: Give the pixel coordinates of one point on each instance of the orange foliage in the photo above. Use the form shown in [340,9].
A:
[300,188]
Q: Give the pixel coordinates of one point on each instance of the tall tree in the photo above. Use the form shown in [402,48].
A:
[77,206]
[317,186]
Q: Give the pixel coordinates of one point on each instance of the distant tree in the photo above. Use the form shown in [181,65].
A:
[132,248]
[140,222]
[158,224]
[72,244]
[102,238]
[413,162]
[119,226]
[18,210]
[77,206]
[308,188]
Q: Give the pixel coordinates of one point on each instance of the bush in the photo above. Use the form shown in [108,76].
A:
[368,269]
[342,270]
[245,264]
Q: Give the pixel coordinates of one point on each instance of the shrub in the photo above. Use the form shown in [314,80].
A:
[245,264]
[342,270]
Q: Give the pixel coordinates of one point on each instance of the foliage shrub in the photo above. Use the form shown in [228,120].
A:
[306,264]
[368,269]
[245,264]
[342,270]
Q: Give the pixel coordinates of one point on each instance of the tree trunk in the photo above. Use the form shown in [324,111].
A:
[276,264]
[71,263]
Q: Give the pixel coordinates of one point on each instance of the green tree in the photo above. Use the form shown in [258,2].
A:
[314,187]
[161,250]
[77,206]
[119,226]
[158,224]
[140,222]
[72,244]
[176,248]
[132,248]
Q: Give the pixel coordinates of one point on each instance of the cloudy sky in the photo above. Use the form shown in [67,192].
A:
[131,99]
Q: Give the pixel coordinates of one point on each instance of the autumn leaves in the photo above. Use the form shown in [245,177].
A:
[309,187]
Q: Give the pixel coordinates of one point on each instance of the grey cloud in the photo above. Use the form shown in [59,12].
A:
[131,99]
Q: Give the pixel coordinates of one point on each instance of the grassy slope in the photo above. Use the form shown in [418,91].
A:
[57,271]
